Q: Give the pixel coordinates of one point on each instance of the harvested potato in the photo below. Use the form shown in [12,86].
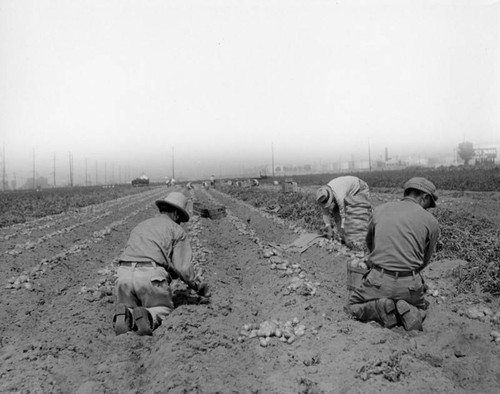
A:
[266,329]
[300,330]
[268,253]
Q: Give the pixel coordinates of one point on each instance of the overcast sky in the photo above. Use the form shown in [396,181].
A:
[222,84]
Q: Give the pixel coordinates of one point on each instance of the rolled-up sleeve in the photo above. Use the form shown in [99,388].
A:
[182,260]
[431,243]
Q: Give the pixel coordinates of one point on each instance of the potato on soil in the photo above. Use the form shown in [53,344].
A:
[267,253]
[266,329]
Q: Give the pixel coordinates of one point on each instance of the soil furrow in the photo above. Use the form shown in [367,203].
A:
[58,338]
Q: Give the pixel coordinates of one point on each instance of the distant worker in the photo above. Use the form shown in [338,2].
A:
[402,237]
[341,197]
[212,180]
[157,252]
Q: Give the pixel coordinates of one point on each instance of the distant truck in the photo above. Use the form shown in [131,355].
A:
[143,180]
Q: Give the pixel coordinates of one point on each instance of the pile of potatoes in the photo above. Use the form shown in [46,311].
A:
[287,332]
[299,282]
[482,313]
[302,286]
[22,280]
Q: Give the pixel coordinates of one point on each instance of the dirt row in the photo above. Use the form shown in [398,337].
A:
[56,335]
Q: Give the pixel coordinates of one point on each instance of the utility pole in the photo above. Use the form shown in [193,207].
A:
[86,174]
[369,156]
[272,157]
[4,180]
[34,187]
[96,172]
[70,169]
[54,172]
[105,173]
[173,172]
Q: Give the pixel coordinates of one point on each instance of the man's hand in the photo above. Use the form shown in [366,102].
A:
[203,290]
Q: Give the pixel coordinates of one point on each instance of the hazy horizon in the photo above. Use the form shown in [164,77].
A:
[223,84]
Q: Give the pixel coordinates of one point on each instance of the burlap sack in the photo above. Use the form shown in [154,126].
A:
[358,211]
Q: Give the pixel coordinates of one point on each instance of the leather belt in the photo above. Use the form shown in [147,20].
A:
[137,263]
[396,274]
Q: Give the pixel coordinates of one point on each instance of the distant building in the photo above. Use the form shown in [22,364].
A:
[485,155]
[417,161]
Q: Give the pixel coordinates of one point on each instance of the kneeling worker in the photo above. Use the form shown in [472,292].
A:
[157,251]
[401,239]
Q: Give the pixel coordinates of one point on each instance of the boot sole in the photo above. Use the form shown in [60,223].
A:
[408,318]
[388,314]
[122,314]
[142,321]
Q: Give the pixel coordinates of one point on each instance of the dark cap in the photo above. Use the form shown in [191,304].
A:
[424,185]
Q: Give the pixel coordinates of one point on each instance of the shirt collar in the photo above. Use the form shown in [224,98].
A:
[408,198]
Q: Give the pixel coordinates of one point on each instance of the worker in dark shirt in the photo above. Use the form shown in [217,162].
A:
[401,238]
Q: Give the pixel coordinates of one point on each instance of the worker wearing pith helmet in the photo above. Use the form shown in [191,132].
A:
[158,251]
[335,196]
[175,203]
[401,239]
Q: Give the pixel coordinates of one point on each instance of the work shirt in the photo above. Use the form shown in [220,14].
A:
[343,187]
[163,241]
[402,236]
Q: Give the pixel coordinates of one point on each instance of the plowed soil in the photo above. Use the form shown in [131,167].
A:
[57,304]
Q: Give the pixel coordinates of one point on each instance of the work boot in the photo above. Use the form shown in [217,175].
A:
[122,319]
[410,316]
[387,312]
[143,321]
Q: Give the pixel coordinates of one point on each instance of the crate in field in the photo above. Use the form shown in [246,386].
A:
[209,211]
[200,210]
[217,212]
[289,186]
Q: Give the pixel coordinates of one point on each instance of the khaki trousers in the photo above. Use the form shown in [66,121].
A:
[376,285]
[148,287]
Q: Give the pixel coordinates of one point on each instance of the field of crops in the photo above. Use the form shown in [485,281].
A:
[445,178]
[474,238]
[58,275]
[23,205]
